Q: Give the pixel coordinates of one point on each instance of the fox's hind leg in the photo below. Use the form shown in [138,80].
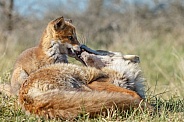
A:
[137,101]
[18,78]
[104,85]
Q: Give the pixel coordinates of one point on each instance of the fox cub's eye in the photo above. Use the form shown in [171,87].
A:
[70,38]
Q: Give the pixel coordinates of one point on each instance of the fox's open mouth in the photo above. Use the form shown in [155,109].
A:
[75,54]
[84,48]
[71,52]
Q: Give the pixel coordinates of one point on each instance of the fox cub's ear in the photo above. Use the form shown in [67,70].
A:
[59,23]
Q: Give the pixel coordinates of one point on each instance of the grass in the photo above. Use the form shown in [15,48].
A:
[162,63]
[166,110]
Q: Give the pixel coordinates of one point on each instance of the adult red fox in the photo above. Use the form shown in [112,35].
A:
[66,90]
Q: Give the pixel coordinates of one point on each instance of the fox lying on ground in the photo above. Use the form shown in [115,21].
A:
[66,90]
[47,86]
[58,40]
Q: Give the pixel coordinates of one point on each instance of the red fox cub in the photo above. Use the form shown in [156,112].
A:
[58,40]
[66,90]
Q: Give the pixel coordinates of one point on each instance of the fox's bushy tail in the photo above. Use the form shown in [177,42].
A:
[68,104]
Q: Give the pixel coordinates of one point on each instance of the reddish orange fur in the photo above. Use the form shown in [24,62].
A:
[34,58]
[50,92]
[43,83]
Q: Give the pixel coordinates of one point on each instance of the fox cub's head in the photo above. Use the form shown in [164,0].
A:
[63,33]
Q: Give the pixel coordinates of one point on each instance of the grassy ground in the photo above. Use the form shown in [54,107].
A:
[162,62]
[170,110]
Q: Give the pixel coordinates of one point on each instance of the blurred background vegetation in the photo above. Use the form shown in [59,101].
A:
[153,30]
